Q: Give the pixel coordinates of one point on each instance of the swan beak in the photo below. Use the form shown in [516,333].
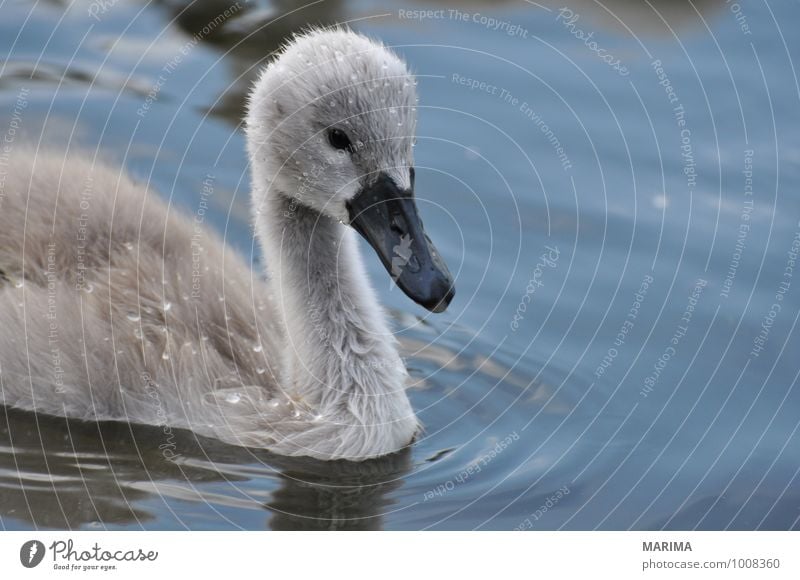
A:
[387,218]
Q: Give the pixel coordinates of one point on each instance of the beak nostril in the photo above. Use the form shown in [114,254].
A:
[398,224]
[387,218]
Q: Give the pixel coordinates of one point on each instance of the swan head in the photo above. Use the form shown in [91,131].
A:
[330,126]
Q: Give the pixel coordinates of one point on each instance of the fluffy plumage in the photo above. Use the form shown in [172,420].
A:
[114,307]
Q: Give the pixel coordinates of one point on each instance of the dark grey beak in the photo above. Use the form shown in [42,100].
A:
[387,218]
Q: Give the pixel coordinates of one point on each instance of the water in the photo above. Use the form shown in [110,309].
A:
[620,211]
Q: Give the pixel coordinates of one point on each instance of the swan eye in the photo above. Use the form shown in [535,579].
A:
[339,140]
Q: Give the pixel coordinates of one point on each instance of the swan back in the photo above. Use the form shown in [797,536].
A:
[114,306]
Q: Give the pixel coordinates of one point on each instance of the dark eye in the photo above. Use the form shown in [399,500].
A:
[339,140]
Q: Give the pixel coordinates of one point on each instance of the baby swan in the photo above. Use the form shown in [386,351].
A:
[113,307]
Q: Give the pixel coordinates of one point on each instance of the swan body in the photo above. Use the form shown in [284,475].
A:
[113,306]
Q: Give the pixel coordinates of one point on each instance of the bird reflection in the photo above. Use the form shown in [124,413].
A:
[250,34]
[340,495]
[57,473]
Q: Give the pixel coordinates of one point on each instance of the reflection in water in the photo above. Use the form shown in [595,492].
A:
[251,34]
[249,37]
[338,496]
[57,473]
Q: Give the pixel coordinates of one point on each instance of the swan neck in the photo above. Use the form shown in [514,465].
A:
[338,339]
